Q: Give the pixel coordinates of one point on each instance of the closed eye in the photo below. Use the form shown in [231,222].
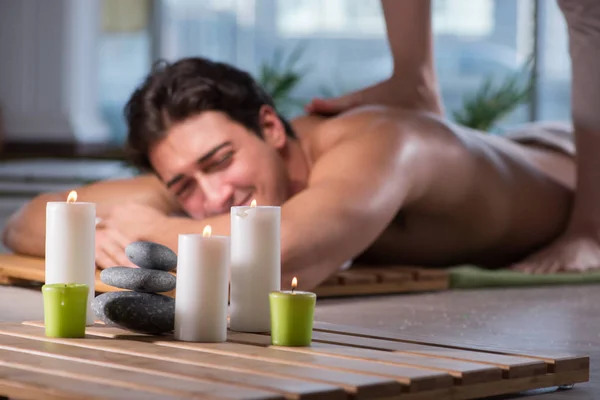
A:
[184,187]
[221,163]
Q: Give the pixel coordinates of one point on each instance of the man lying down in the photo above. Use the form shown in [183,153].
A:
[381,185]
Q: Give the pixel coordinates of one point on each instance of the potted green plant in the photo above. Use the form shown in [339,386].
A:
[280,76]
[491,103]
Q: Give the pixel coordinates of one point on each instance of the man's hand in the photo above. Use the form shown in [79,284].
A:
[110,249]
[124,224]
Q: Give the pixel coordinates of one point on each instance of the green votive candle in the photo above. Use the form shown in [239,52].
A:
[65,307]
[292,314]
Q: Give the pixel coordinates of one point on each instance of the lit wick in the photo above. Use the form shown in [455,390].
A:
[253,203]
[207,231]
[294,284]
[72,198]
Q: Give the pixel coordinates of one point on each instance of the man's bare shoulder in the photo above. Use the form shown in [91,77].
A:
[369,121]
[368,144]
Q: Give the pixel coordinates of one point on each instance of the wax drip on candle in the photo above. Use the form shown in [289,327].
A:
[207,231]
[294,284]
[72,198]
[244,214]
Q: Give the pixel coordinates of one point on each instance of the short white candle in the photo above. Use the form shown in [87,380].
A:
[71,245]
[255,266]
[202,290]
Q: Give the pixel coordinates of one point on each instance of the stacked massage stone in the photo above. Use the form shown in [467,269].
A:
[140,307]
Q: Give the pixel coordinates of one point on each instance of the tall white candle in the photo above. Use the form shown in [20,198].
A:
[71,245]
[202,290]
[255,266]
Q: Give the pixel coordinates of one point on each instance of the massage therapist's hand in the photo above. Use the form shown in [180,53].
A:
[395,92]
[121,225]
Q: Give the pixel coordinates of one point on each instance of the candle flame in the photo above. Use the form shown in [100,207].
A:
[207,231]
[253,203]
[294,283]
[72,198]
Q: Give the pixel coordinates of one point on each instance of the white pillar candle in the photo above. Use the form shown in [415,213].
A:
[202,290]
[71,245]
[255,266]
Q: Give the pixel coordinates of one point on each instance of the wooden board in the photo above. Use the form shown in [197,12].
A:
[340,364]
[556,361]
[360,280]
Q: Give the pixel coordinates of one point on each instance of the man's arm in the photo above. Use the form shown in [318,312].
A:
[25,231]
[355,191]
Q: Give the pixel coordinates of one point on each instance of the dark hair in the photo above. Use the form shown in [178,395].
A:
[174,92]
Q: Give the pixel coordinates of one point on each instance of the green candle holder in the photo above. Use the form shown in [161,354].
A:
[292,314]
[65,308]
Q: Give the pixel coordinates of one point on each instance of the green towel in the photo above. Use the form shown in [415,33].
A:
[467,276]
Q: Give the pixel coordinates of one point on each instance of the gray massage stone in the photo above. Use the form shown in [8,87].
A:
[138,279]
[151,255]
[139,312]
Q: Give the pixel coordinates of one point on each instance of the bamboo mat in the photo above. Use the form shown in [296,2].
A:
[341,363]
[359,280]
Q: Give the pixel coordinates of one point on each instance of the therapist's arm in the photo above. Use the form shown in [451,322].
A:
[583,21]
[413,84]
[410,36]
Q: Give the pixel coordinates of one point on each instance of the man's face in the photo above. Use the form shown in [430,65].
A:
[212,163]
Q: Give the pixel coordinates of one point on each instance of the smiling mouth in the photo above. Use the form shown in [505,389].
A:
[246,201]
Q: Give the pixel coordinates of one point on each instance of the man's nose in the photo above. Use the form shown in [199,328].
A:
[218,196]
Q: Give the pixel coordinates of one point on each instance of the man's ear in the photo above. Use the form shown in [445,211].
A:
[272,127]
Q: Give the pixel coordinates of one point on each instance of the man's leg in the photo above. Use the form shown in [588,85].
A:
[579,248]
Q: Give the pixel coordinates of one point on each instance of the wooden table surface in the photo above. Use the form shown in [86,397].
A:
[527,319]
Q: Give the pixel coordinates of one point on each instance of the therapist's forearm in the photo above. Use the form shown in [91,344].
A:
[410,35]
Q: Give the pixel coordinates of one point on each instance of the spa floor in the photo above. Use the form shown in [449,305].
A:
[549,319]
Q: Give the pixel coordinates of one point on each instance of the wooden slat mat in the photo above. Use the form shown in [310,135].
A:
[114,363]
[360,280]
[556,361]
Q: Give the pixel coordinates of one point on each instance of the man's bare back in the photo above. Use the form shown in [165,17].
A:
[494,200]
